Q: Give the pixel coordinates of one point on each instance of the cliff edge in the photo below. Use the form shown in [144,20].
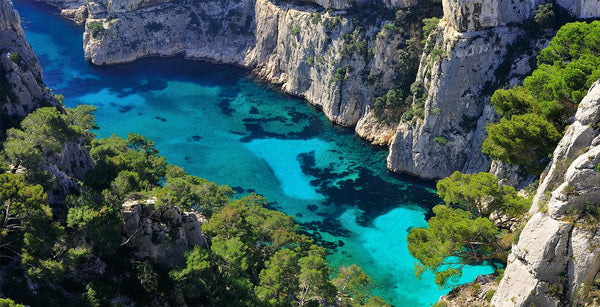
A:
[557,259]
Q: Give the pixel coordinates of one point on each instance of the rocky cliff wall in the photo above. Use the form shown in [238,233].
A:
[473,15]
[581,8]
[22,88]
[453,75]
[557,259]
[458,72]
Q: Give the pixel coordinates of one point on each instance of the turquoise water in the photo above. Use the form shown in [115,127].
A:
[220,123]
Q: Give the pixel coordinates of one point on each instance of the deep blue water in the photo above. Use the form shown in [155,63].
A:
[220,123]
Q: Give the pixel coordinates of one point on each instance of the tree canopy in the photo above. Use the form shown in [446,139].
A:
[535,115]
[452,240]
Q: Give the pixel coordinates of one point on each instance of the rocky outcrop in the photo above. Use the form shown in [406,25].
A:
[22,88]
[160,234]
[473,294]
[75,10]
[557,258]
[68,168]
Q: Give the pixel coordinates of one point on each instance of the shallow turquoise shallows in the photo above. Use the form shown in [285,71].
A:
[220,123]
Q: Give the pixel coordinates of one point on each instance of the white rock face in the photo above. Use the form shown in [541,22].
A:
[581,8]
[558,255]
[473,15]
[453,74]
[162,235]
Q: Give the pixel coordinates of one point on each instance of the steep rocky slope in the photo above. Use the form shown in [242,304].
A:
[459,70]
[557,259]
[22,89]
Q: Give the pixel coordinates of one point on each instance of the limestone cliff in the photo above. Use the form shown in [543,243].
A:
[557,259]
[160,234]
[458,72]
[581,8]
[22,89]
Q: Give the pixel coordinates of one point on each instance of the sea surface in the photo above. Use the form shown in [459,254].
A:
[221,123]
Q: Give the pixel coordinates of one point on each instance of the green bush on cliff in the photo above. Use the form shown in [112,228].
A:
[96,28]
[536,114]
[390,107]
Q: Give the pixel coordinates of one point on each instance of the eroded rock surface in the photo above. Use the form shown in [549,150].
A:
[22,88]
[160,234]
[558,253]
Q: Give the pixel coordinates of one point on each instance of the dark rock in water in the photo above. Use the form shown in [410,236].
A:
[225,106]
[312,208]
[238,189]
[161,119]
[299,215]
[196,138]
[254,110]
[125,109]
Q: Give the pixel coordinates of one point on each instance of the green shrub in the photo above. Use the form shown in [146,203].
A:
[429,25]
[294,29]
[16,58]
[441,140]
[390,27]
[489,295]
[96,28]
[544,15]
[390,107]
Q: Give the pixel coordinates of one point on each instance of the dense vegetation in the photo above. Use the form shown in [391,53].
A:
[535,115]
[472,227]
[73,252]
